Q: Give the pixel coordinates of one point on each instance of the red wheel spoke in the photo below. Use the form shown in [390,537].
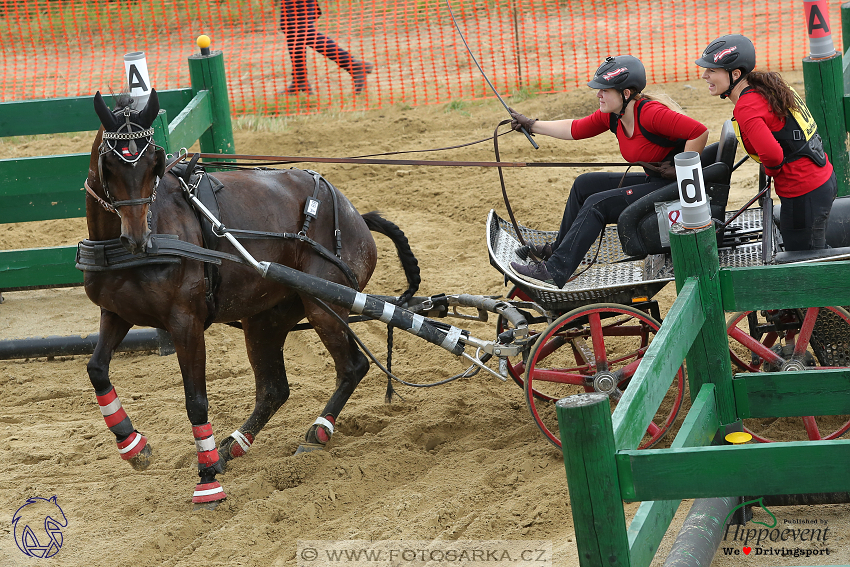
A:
[557,376]
[762,351]
[628,370]
[811,428]
[806,332]
[597,337]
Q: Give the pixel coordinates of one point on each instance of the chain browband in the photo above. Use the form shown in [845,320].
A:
[146,135]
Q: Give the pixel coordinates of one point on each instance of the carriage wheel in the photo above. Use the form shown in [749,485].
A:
[791,339]
[602,347]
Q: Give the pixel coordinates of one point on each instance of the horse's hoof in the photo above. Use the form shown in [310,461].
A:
[208,493]
[206,505]
[143,459]
[309,448]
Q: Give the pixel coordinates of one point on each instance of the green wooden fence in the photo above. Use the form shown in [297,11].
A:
[602,464]
[51,187]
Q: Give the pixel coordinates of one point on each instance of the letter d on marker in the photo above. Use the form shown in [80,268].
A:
[695,210]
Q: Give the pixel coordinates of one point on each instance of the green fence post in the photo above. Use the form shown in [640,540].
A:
[695,255]
[824,81]
[587,436]
[845,26]
[206,72]
[160,130]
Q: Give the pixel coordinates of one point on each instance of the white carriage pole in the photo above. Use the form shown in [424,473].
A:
[692,198]
[136,73]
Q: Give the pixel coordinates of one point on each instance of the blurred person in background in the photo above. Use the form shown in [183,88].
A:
[296,22]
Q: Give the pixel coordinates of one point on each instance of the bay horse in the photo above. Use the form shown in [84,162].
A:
[130,199]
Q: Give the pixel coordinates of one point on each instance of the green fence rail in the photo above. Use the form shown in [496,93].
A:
[51,187]
[602,464]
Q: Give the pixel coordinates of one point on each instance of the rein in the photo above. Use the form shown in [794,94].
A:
[262,160]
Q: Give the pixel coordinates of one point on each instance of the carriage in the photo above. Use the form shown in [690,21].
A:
[592,333]
[146,222]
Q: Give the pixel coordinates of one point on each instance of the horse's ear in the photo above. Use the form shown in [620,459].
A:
[106,117]
[149,112]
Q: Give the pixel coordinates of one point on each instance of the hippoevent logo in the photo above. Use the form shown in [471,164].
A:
[38,527]
[806,537]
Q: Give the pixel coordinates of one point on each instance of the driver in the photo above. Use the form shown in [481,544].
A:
[778,131]
[648,132]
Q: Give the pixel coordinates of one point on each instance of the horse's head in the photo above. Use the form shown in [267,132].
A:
[130,165]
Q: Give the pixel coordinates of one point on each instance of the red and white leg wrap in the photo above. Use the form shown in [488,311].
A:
[119,423]
[132,445]
[205,444]
[208,492]
[325,429]
[243,442]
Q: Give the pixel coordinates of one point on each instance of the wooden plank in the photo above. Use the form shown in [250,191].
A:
[584,422]
[70,114]
[652,519]
[695,255]
[42,188]
[784,287]
[773,468]
[192,122]
[792,394]
[39,267]
[658,368]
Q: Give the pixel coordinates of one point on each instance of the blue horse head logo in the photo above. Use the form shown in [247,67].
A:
[38,527]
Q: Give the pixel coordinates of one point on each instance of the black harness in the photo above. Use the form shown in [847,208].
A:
[677,146]
[792,138]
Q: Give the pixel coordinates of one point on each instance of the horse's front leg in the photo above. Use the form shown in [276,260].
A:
[188,336]
[132,445]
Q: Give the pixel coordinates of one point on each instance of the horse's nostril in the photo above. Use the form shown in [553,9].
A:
[129,244]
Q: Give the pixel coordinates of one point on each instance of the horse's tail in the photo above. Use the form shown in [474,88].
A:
[409,264]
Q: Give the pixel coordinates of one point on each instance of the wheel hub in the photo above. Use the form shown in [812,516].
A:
[792,365]
[605,382]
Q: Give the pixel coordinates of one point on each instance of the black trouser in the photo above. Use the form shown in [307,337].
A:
[296,22]
[803,219]
[595,200]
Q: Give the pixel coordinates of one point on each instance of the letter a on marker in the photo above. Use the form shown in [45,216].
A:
[134,78]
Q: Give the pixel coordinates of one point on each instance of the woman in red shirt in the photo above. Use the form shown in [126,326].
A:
[776,129]
[646,130]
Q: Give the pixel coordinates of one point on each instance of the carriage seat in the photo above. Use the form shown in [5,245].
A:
[638,223]
[838,226]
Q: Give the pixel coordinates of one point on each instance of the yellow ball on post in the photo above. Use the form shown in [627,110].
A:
[204,44]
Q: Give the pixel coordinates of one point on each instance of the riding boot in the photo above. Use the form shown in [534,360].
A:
[359,70]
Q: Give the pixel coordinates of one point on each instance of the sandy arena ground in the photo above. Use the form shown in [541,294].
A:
[462,461]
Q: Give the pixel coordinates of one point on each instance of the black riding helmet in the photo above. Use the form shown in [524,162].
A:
[729,52]
[620,72]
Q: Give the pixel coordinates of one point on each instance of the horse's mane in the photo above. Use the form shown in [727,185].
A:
[122,100]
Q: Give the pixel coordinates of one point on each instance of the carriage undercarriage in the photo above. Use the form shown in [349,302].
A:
[593,332]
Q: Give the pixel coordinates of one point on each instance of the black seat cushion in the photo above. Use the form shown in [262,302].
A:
[638,227]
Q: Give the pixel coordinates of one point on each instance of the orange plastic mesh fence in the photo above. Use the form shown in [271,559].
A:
[55,48]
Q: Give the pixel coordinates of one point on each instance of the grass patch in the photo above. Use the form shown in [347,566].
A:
[458,106]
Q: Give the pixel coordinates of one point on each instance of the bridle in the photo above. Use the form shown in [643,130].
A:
[128,154]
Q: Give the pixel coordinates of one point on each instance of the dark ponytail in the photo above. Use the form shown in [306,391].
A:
[773,87]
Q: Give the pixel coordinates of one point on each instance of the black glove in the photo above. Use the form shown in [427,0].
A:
[520,122]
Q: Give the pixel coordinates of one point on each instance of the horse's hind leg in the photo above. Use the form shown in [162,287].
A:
[351,366]
[132,445]
[265,334]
